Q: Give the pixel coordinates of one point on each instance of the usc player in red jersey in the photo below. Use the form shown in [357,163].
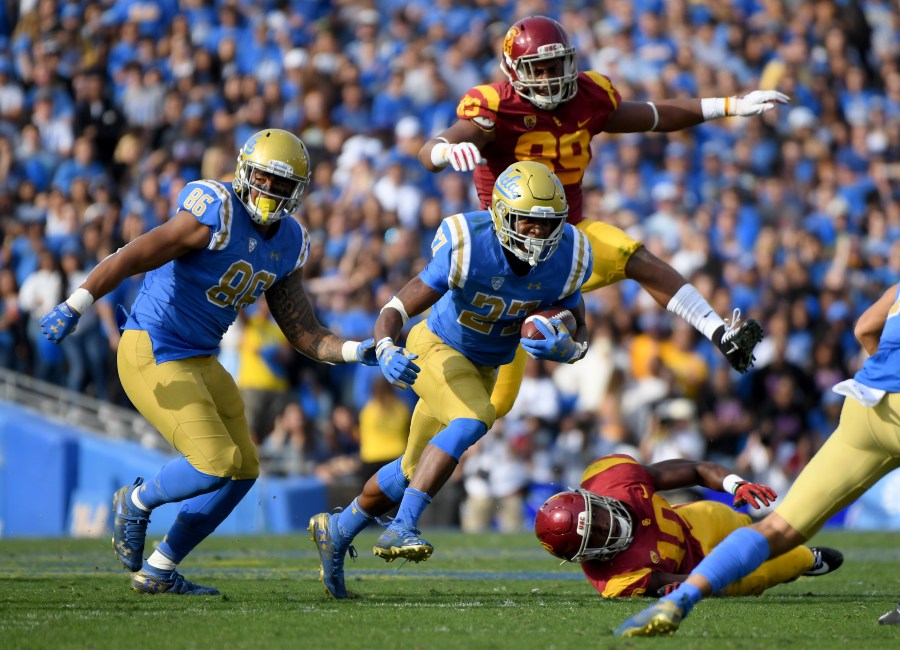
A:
[631,542]
[548,111]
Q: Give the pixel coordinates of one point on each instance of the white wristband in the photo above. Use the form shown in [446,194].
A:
[580,351]
[655,116]
[384,343]
[439,153]
[730,483]
[348,351]
[692,307]
[80,300]
[397,304]
[715,107]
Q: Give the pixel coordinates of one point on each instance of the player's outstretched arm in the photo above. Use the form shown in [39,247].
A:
[676,114]
[458,146]
[292,310]
[680,473]
[179,235]
[671,290]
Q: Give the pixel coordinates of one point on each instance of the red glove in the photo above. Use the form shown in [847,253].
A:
[668,589]
[753,493]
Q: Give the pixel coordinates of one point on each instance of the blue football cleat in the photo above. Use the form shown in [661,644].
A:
[400,541]
[129,528]
[663,617]
[153,581]
[331,553]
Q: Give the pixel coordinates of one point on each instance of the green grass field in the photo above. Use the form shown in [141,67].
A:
[484,591]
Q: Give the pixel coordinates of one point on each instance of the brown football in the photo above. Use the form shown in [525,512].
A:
[530,331]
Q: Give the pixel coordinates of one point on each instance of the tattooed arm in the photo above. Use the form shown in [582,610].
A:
[292,310]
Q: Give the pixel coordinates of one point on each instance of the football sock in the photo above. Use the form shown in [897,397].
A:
[391,480]
[739,554]
[200,516]
[176,481]
[686,596]
[411,508]
[136,501]
[351,521]
[160,562]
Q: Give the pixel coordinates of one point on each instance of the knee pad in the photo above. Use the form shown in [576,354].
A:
[392,481]
[459,435]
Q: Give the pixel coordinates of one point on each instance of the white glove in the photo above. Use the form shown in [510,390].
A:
[757,102]
[463,157]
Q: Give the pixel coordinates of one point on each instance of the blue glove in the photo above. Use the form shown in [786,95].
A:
[396,363]
[555,346]
[365,352]
[60,322]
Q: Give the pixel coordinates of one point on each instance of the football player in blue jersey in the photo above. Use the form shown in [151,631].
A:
[864,448]
[489,269]
[223,248]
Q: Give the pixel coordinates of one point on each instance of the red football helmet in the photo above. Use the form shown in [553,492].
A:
[537,46]
[568,523]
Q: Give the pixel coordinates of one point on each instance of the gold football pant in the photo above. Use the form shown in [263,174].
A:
[195,405]
[449,386]
[864,447]
[711,522]
[611,249]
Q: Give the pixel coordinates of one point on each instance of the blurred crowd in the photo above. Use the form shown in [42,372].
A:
[108,108]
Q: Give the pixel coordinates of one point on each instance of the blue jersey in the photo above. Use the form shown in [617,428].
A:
[484,301]
[882,369]
[187,304]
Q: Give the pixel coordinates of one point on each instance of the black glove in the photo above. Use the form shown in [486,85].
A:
[737,342]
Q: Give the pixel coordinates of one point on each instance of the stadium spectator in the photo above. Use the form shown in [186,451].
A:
[85,350]
[13,356]
[38,294]
[383,428]
[291,447]
[264,356]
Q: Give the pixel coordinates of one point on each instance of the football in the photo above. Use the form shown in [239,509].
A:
[530,331]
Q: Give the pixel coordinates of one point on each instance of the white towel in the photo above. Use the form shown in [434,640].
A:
[860,392]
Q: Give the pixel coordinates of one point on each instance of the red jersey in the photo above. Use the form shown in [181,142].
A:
[560,138]
[662,540]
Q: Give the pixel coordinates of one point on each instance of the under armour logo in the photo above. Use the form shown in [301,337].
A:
[275,255]
[534,286]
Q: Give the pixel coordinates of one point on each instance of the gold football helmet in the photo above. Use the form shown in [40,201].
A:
[528,190]
[272,175]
